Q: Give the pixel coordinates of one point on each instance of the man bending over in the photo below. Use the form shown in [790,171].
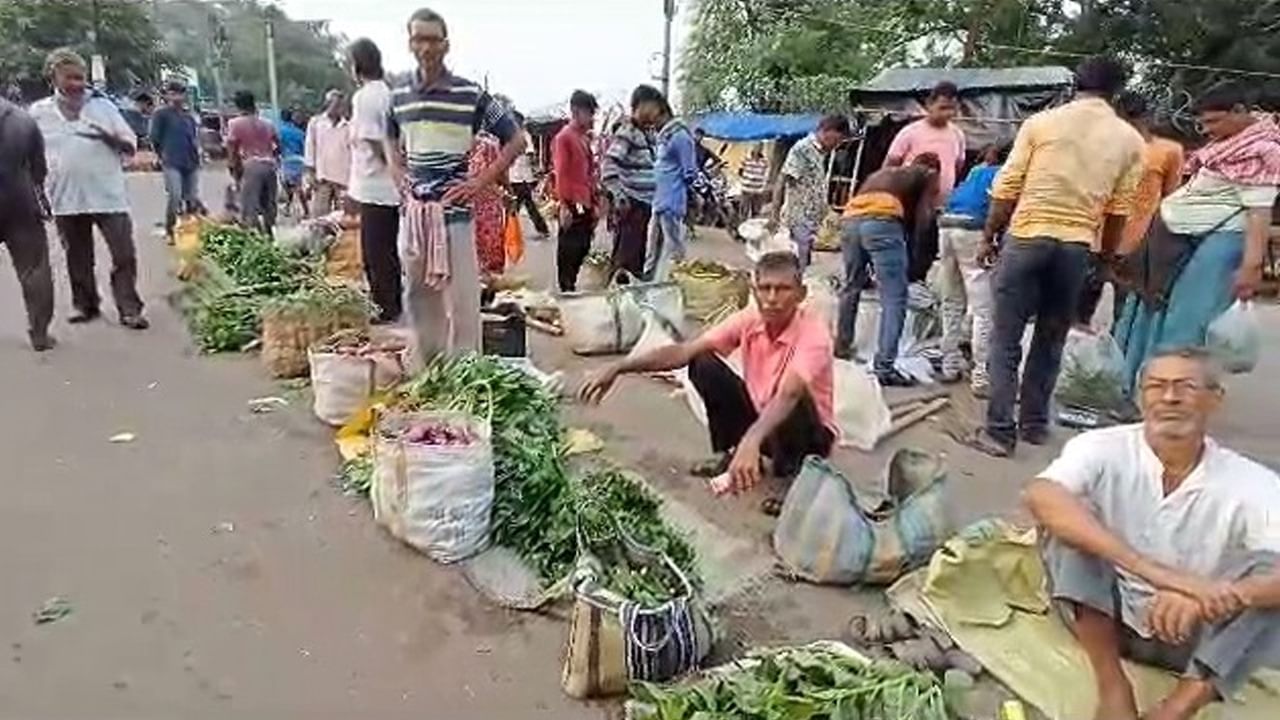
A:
[781,406]
[1163,546]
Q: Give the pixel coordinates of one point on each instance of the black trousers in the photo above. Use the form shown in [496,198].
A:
[524,199]
[572,249]
[76,232]
[730,413]
[24,237]
[379,229]
[630,236]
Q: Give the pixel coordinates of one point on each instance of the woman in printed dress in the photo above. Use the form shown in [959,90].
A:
[488,210]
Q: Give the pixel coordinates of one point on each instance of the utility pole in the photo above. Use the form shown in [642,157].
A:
[669,11]
[219,44]
[271,67]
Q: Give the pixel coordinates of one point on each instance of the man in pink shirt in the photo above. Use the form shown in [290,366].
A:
[780,407]
[934,133]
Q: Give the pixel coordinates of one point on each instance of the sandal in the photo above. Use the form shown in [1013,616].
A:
[772,506]
[879,628]
[982,441]
[712,467]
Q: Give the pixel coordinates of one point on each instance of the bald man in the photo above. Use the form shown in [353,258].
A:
[328,155]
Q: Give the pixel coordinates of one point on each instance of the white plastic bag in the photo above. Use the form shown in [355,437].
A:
[611,321]
[760,242]
[1093,372]
[1234,338]
[342,383]
[861,411]
[436,498]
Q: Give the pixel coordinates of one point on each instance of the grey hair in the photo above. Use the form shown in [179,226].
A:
[780,261]
[62,57]
[1209,365]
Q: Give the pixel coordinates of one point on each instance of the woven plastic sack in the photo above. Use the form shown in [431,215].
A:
[342,383]
[825,536]
[711,290]
[611,321]
[1093,372]
[344,261]
[1234,339]
[436,498]
[288,335]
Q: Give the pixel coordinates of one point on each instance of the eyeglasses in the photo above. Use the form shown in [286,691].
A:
[1179,387]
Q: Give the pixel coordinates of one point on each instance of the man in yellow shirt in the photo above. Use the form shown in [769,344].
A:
[1072,169]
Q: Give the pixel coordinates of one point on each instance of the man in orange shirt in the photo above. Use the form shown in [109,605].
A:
[781,406]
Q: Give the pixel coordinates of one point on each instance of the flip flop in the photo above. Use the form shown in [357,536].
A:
[879,628]
[772,506]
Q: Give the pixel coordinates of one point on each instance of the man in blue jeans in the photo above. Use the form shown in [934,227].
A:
[674,170]
[1073,169]
[874,233]
[173,136]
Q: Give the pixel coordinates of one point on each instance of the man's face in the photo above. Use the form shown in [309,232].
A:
[1178,398]
[175,98]
[942,110]
[428,43]
[646,114]
[1221,124]
[584,117]
[778,295]
[830,139]
[335,105]
[70,81]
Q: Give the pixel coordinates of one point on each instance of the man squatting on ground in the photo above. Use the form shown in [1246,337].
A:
[433,123]
[780,407]
[1164,546]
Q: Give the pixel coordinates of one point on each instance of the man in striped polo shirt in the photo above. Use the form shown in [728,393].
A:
[430,130]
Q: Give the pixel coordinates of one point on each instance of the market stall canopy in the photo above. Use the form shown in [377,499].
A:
[993,101]
[751,126]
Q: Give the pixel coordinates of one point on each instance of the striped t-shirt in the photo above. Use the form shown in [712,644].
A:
[755,174]
[437,125]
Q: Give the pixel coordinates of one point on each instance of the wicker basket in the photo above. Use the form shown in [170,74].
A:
[711,291]
[288,334]
[344,262]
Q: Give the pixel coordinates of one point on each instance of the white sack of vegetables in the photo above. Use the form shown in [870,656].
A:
[348,368]
[433,482]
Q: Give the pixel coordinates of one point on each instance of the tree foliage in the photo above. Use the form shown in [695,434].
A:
[804,54]
[29,29]
[308,55]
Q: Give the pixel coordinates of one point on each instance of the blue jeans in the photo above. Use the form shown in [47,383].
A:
[882,243]
[183,188]
[668,245]
[1037,277]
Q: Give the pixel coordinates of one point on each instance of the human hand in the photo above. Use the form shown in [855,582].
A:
[1218,600]
[1247,282]
[988,252]
[461,193]
[566,215]
[595,387]
[1173,617]
[744,469]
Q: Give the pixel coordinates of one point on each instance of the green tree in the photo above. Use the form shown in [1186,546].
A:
[308,55]
[125,36]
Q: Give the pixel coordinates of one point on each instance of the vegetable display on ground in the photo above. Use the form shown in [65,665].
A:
[800,684]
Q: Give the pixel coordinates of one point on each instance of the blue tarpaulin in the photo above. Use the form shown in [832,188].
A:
[745,126]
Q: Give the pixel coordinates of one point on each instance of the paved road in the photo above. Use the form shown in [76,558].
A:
[213,570]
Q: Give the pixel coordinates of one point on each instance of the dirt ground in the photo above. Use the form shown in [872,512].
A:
[214,571]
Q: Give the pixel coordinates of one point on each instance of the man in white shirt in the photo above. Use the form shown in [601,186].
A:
[371,184]
[524,179]
[327,155]
[86,140]
[1164,547]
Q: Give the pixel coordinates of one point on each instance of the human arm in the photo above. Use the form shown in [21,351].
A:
[744,468]
[1257,231]
[791,169]
[611,167]
[309,150]
[667,357]
[39,167]
[1171,178]
[899,148]
[156,130]
[115,133]
[494,118]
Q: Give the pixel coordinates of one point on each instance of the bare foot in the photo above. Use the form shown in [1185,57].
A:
[1116,702]
[1189,696]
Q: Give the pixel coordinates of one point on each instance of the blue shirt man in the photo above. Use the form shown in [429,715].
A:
[972,198]
[174,136]
[293,140]
[674,171]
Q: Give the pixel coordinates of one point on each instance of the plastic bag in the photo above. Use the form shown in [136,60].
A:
[513,239]
[1234,338]
[1093,372]
[861,412]
[436,498]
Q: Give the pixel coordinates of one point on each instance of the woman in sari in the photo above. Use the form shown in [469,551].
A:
[487,208]
[1207,245]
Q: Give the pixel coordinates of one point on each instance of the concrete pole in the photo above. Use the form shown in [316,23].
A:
[271,68]
[669,11]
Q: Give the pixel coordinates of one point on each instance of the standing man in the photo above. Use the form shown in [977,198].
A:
[293,146]
[1072,170]
[934,133]
[524,178]
[627,176]
[86,141]
[173,136]
[371,184]
[755,179]
[574,166]
[800,193]
[328,155]
[23,210]
[433,122]
[253,147]
[674,173]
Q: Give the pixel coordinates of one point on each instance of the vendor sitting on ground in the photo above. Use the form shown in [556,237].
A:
[1164,546]
[780,407]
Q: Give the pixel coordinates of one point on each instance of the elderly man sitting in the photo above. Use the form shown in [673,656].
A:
[780,407]
[1163,546]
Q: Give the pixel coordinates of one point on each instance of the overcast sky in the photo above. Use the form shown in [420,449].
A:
[534,51]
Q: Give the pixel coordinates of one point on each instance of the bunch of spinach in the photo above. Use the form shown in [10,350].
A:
[800,684]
